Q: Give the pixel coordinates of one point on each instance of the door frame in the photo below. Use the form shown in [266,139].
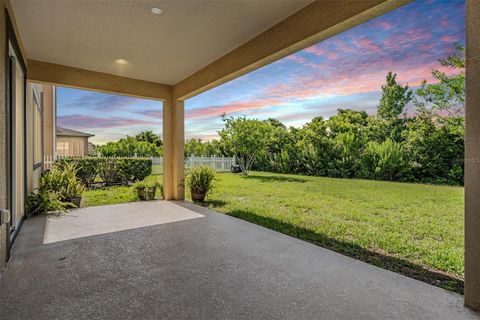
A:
[12,42]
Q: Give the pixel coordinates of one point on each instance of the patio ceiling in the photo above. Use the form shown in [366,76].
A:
[162,48]
[191,46]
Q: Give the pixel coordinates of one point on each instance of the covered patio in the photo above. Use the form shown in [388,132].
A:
[175,260]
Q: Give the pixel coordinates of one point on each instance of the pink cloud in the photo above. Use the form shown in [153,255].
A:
[343,47]
[385,25]
[89,122]
[366,44]
[338,79]
[427,46]
[316,50]
[408,39]
[444,23]
[151,113]
[296,58]
[321,52]
[229,108]
[448,38]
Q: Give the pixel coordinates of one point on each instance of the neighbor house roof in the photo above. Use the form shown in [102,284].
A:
[69,132]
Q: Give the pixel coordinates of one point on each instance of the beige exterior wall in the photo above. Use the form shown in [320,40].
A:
[33,138]
[72,146]
[3,134]
[33,171]
[48,120]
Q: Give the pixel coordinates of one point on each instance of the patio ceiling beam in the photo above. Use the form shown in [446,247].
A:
[57,74]
[316,22]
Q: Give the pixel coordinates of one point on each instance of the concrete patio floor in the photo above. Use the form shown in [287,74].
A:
[167,260]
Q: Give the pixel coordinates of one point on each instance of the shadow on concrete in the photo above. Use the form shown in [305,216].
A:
[375,258]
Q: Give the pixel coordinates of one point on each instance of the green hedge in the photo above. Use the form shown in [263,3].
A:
[110,170]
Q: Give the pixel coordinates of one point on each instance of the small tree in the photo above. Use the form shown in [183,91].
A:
[246,138]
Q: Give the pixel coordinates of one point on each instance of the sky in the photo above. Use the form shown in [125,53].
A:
[344,71]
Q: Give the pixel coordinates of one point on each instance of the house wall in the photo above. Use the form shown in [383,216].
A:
[33,172]
[77,146]
[3,133]
[48,120]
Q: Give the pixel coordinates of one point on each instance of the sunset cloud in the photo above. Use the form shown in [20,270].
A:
[81,122]
[385,25]
[449,38]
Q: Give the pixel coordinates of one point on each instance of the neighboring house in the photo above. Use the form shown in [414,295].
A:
[71,143]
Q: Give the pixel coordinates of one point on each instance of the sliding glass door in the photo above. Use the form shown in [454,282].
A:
[17,158]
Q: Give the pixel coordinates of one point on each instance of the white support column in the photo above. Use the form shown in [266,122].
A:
[472,157]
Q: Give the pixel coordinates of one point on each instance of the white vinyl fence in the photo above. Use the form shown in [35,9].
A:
[218,163]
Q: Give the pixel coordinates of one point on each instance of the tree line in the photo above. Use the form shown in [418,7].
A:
[425,145]
[415,136]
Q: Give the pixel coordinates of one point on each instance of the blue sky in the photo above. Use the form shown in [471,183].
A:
[345,71]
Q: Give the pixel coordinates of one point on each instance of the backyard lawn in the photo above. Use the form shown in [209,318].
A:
[413,229]
[114,195]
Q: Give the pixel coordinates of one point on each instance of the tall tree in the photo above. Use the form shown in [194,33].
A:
[394,98]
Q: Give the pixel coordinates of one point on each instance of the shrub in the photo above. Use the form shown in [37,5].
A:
[73,188]
[61,180]
[87,168]
[200,179]
[110,170]
[382,161]
[135,169]
[43,202]
[52,181]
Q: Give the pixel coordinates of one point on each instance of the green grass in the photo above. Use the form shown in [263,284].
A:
[413,229]
[114,195]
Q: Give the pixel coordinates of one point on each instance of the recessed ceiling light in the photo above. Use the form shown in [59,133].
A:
[156,10]
[121,61]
